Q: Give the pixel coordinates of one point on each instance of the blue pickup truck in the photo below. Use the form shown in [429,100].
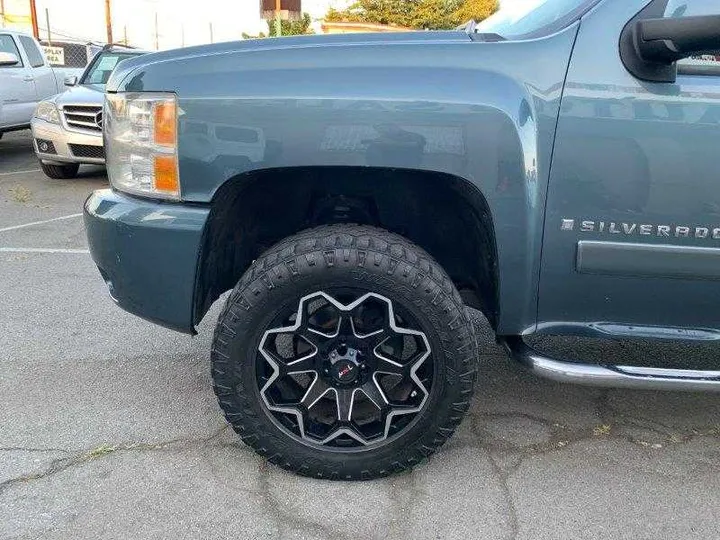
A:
[556,168]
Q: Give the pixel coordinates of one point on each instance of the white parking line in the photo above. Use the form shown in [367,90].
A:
[43,250]
[15,227]
[19,172]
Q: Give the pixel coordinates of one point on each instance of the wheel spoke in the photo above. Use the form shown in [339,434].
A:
[391,367]
[315,391]
[301,365]
[346,326]
[376,338]
[372,390]
[314,337]
[293,365]
[344,398]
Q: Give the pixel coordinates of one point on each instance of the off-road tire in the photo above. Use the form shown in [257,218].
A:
[372,259]
[60,172]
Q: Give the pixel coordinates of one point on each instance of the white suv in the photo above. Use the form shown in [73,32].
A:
[67,128]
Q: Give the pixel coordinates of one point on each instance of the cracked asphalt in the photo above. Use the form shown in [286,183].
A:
[109,428]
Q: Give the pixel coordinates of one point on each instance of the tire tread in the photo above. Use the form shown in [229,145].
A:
[286,261]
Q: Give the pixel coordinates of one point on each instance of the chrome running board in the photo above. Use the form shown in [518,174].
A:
[641,378]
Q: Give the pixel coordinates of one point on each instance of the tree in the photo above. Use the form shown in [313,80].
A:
[476,9]
[420,14]
[291,28]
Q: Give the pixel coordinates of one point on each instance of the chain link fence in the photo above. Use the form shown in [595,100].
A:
[68,54]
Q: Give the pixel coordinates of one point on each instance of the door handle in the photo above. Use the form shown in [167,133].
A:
[28,78]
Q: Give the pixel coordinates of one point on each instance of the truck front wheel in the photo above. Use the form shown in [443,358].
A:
[344,352]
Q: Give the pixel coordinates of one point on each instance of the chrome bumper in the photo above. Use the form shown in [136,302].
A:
[640,378]
[62,139]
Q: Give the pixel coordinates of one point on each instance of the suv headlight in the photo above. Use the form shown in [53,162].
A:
[46,110]
[141,143]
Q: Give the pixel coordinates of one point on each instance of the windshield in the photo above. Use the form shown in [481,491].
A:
[521,18]
[103,65]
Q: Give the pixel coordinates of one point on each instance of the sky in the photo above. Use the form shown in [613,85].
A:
[229,19]
[180,22]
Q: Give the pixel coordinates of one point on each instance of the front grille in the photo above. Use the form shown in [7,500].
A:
[83,116]
[87,151]
[45,147]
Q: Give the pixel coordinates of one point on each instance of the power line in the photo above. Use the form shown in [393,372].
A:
[63,34]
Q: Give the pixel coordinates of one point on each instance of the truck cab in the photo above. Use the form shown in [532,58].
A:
[26,78]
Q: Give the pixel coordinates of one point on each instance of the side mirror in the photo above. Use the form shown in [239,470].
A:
[668,40]
[71,80]
[657,44]
[8,59]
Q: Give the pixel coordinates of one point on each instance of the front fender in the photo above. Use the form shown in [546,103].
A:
[483,112]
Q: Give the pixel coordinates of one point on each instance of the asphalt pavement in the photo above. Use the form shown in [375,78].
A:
[109,427]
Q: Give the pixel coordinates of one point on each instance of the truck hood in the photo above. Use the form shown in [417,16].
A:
[128,66]
[86,94]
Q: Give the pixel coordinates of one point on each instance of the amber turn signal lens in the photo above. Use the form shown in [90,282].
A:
[165,123]
[166,177]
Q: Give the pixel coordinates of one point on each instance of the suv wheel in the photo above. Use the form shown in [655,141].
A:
[62,172]
[344,352]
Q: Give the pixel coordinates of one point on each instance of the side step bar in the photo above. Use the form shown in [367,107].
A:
[640,378]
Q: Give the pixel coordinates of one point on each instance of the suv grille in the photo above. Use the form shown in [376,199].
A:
[87,151]
[83,116]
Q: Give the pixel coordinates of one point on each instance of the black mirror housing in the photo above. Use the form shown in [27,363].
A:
[651,47]
[668,40]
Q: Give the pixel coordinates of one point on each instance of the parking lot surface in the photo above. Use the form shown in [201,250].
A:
[109,427]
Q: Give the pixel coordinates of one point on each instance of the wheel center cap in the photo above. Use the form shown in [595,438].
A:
[344,371]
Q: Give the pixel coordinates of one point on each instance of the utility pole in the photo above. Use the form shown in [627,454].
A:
[2,13]
[278,19]
[125,39]
[157,45]
[211,34]
[182,34]
[33,18]
[47,25]
[108,21]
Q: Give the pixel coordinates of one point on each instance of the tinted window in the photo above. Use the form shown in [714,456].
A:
[32,52]
[7,44]
[103,65]
[517,19]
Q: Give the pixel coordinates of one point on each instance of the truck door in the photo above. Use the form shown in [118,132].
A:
[44,78]
[17,89]
[632,230]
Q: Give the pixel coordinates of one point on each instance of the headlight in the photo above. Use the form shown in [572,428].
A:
[46,110]
[141,143]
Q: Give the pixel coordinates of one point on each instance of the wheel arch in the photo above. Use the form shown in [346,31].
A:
[446,215]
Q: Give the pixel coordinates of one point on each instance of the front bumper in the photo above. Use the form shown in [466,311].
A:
[63,141]
[147,253]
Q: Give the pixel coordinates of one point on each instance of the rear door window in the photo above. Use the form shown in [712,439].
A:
[32,52]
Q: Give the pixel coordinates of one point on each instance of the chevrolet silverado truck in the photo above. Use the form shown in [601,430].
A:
[555,168]
[26,78]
